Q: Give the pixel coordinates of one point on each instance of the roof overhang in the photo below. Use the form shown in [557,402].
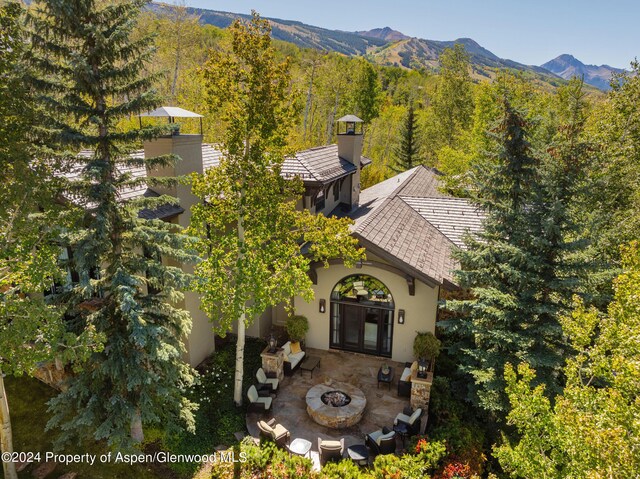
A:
[397,262]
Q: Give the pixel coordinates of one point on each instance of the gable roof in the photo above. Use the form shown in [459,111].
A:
[319,165]
[130,192]
[408,221]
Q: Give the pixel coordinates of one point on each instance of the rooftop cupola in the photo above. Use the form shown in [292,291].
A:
[350,149]
[171,113]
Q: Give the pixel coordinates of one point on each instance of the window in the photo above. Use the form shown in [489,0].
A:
[320,201]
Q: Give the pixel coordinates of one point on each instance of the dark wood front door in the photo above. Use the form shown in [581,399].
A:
[361,328]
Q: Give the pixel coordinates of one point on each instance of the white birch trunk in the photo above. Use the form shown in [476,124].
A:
[6,435]
[239,374]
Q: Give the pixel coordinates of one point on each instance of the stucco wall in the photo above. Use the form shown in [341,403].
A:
[420,310]
[201,342]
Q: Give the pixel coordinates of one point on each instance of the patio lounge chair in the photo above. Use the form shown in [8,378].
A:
[404,383]
[292,360]
[275,432]
[271,384]
[382,441]
[413,422]
[330,450]
[256,402]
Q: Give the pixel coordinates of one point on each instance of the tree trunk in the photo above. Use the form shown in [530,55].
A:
[6,436]
[239,375]
[237,387]
[332,118]
[309,100]
[176,70]
[137,434]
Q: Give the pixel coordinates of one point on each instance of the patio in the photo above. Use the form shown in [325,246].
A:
[289,407]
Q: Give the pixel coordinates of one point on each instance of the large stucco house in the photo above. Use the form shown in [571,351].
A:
[407,226]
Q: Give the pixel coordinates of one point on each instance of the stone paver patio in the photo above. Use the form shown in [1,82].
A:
[290,408]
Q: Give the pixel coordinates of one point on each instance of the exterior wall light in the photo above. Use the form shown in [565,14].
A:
[322,306]
[401,316]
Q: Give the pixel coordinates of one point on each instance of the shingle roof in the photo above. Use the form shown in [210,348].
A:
[411,223]
[452,216]
[130,192]
[318,165]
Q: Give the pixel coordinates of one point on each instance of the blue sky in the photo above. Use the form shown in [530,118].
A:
[530,32]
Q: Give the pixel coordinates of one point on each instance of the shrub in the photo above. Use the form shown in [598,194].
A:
[426,346]
[297,327]
[342,470]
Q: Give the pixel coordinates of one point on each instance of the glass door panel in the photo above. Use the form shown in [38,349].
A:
[386,338]
[371,322]
[336,338]
[352,333]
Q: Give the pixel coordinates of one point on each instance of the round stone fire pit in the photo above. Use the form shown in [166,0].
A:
[337,405]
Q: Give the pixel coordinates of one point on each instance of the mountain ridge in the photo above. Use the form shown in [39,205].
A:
[385,46]
[568,66]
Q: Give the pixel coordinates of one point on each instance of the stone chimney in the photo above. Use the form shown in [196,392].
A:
[350,149]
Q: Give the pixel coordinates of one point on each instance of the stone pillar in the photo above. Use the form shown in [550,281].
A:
[420,391]
[273,362]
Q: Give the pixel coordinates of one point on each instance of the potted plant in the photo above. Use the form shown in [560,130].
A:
[297,327]
[426,347]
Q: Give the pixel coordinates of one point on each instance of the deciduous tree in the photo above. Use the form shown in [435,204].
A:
[251,233]
[593,428]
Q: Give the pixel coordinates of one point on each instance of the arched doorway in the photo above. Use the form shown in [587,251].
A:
[362,316]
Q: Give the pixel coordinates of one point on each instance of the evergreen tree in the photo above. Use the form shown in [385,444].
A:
[28,226]
[407,153]
[90,78]
[530,259]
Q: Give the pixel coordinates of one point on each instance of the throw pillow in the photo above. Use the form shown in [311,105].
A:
[295,348]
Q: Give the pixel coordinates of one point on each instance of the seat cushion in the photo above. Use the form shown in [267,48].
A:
[295,347]
[382,437]
[286,348]
[406,375]
[416,414]
[402,418]
[273,382]
[266,401]
[375,435]
[252,394]
[261,376]
[331,444]
[279,431]
[265,427]
[294,359]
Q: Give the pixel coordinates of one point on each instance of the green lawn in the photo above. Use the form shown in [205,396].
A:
[27,405]
[216,420]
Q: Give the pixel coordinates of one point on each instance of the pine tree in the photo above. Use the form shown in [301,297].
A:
[407,153]
[495,325]
[528,262]
[90,78]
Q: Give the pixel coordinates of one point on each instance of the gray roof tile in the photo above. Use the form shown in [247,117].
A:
[408,219]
